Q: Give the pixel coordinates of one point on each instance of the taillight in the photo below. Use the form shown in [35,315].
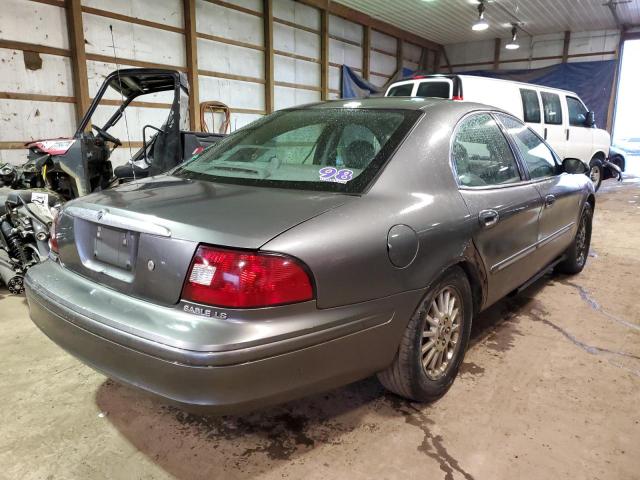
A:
[237,279]
[53,147]
[457,97]
[53,236]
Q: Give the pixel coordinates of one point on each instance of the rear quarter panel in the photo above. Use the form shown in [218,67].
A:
[346,249]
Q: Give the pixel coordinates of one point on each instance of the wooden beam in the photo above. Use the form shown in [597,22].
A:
[496,53]
[228,41]
[324,55]
[267,17]
[78,58]
[300,86]
[296,25]
[36,97]
[345,40]
[565,47]
[191,45]
[366,52]
[32,47]
[437,59]
[235,7]
[399,55]
[128,19]
[230,76]
[296,56]
[446,59]
[131,62]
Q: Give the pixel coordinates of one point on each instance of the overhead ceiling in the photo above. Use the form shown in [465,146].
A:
[449,21]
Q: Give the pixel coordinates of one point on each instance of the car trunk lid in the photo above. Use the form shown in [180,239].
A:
[140,238]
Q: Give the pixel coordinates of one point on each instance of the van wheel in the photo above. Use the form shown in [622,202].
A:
[434,342]
[578,251]
[596,172]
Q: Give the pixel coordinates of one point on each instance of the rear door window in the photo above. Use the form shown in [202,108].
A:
[530,105]
[481,154]
[538,157]
[577,112]
[401,90]
[434,89]
[552,108]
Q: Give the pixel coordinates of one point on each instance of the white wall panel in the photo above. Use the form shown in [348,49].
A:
[239,120]
[381,63]
[34,23]
[137,118]
[286,69]
[168,12]
[378,81]
[285,97]
[225,58]
[412,52]
[297,13]
[343,28]
[14,157]
[227,23]
[294,40]
[135,42]
[22,120]
[334,78]
[345,54]
[383,41]
[235,93]
[54,78]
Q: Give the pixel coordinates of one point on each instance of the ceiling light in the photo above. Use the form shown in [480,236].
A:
[481,23]
[513,44]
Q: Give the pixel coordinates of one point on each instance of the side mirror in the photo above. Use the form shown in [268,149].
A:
[574,166]
[590,121]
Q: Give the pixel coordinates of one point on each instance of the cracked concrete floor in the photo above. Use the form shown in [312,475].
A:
[549,389]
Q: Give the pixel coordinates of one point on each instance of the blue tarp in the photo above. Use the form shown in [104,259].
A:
[354,86]
[592,81]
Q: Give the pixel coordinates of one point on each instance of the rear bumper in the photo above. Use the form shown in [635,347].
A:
[224,381]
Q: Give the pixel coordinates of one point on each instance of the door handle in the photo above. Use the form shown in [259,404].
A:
[567,134]
[545,133]
[488,218]
[549,200]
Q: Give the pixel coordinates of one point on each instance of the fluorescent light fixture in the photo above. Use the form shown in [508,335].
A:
[480,24]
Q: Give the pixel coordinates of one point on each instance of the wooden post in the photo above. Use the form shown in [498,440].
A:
[366,52]
[267,16]
[191,45]
[399,55]
[324,55]
[565,47]
[78,58]
[496,53]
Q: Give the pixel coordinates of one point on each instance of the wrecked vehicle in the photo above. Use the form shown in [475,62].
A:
[65,168]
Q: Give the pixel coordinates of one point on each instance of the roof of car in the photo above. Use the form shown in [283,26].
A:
[400,103]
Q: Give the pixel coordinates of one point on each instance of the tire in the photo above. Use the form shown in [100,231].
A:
[596,173]
[407,376]
[578,251]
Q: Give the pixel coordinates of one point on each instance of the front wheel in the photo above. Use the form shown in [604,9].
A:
[596,173]
[434,342]
[578,251]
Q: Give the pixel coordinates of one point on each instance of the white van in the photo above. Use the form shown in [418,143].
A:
[558,116]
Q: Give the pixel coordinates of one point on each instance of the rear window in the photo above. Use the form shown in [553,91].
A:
[434,89]
[552,108]
[401,90]
[530,105]
[321,149]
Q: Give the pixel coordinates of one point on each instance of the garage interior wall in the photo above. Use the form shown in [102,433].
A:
[535,52]
[39,98]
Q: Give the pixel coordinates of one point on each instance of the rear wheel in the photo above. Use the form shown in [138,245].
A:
[596,173]
[578,251]
[434,342]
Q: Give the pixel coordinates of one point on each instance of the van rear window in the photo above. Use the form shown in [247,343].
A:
[434,89]
[401,90]
[530,105]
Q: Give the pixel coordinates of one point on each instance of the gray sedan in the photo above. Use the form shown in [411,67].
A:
[312,248]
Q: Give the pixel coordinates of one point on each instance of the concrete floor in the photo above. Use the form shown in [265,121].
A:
[549,389]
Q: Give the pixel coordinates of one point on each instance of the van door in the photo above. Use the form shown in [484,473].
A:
[554,131]
[579,136]
[531,112]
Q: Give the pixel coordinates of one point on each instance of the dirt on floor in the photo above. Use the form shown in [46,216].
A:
[550,388]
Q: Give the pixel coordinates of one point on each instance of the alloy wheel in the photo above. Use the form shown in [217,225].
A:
[581,241]
[441,333]
[594,175]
